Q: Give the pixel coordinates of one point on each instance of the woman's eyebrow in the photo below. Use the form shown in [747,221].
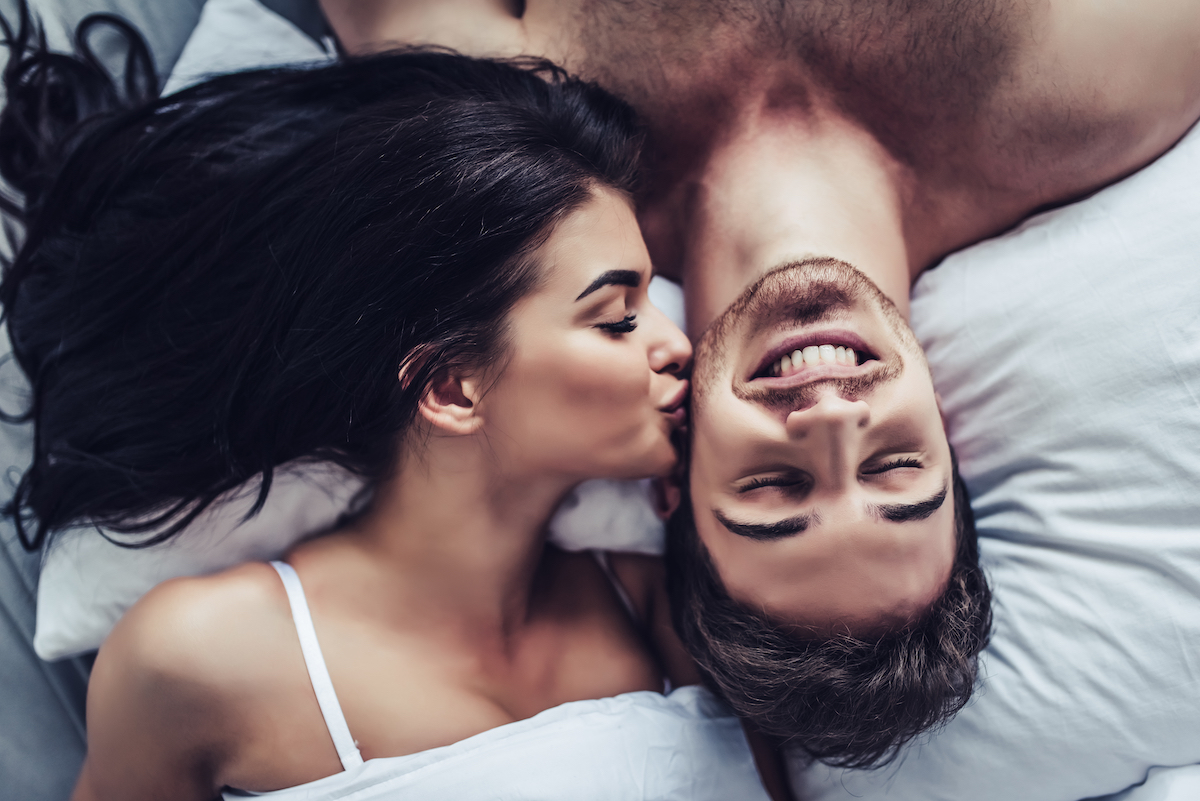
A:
[619,277]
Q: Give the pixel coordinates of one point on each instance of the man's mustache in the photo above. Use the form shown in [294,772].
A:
[786,304]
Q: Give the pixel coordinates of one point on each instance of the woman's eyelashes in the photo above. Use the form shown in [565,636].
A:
[623,326]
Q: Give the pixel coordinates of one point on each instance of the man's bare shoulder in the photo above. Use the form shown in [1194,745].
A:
[1057,96]
[1128,74]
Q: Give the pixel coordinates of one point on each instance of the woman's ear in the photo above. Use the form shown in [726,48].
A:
[451,402]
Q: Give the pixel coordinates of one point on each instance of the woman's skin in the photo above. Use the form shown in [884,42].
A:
[441,612]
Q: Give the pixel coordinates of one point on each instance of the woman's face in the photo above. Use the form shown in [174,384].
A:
[591,386]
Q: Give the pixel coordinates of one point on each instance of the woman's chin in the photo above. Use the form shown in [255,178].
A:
[651,455]
[658,463]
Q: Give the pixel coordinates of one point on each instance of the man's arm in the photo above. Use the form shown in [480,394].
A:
[474,27]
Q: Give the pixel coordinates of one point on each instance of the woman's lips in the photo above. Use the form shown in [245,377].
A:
[674,408]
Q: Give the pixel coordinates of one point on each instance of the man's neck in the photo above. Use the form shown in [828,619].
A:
[781,189]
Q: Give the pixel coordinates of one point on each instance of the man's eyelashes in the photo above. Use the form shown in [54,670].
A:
[798,483]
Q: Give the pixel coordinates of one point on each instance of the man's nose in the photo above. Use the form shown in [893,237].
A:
[831,430]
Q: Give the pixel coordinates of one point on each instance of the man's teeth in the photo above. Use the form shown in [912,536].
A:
[813,355]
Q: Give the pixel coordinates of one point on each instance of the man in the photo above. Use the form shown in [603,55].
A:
[824,564]
[807,161]
[885,134]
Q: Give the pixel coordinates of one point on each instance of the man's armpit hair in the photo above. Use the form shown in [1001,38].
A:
[847,701]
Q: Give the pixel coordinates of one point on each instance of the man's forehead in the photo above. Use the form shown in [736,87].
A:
[854,576]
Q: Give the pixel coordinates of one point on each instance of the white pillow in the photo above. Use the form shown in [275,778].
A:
[1164,784]
[87,583]
[1067,355]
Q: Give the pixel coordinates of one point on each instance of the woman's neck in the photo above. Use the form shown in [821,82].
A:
[463,539]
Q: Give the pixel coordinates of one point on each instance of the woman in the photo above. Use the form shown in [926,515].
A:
[421,266]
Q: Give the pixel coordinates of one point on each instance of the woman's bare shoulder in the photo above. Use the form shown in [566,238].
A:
[191,628]
[172,688]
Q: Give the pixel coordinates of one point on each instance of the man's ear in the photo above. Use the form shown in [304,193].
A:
[451,402]
[665,494]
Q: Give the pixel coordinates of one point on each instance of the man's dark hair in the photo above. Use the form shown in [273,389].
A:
[848,701]
[230,278]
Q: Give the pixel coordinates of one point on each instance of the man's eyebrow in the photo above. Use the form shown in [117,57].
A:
[904,512]
[766,531]
[619,277]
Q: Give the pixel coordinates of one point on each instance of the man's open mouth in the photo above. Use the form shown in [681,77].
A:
[815,355]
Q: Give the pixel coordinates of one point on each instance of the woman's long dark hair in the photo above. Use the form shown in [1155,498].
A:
[217,282]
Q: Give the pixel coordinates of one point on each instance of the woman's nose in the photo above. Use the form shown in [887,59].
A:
[670,350]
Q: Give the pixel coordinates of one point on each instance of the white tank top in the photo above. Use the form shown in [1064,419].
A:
[685,746]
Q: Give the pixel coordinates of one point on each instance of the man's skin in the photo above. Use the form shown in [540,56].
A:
[886,134]
[883,135]
[821,489]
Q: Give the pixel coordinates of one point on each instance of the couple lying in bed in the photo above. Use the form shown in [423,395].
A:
[250,333]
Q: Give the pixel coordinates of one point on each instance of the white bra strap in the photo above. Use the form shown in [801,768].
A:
[601,558]
[331,710]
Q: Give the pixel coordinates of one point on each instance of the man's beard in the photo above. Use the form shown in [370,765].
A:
[799,294]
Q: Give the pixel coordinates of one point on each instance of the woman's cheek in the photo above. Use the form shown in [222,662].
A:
[616,388]
[586,402]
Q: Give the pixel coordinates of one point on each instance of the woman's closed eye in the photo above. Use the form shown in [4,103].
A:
[623,326]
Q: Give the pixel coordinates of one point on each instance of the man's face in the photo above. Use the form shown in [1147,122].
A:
[822,490]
